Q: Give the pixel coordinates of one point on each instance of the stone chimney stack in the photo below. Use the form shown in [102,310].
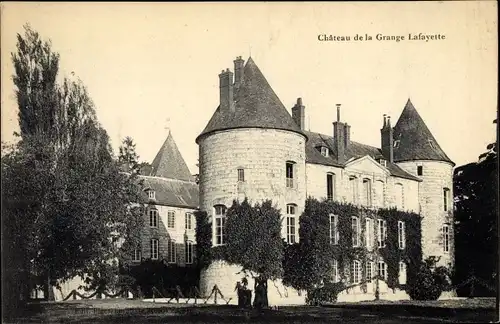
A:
[226,90]
[298,114]
[339,137]
[387,139]
[239,63]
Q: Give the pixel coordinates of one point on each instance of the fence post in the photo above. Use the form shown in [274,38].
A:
[215,296]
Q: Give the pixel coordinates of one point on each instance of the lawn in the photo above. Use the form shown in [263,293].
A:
[135,311]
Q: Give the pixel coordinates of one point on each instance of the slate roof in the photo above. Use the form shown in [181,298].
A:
[416,142]
[256,105]
[172,192]
[355,150]
[169,163]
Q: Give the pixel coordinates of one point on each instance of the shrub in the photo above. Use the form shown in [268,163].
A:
[429,282]
[328,293]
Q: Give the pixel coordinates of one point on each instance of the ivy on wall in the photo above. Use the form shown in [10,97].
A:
[314,234]
[308,263]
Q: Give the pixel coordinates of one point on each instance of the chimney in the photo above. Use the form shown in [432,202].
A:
[238,71]
[387,139]
[226,90]
[339,137]
[347,135]
[298,114]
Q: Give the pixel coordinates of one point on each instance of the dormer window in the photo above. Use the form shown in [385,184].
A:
[151,194]
[324,151]
[383,162]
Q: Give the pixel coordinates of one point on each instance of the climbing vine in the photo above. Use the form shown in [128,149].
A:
[318,249]
[308,264]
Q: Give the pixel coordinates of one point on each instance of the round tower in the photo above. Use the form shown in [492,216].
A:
[417,152]
[250,148]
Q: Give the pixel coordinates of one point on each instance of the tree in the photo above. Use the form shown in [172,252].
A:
[128,156]
[430,281]
[74,201]
[253,239]
[476,211]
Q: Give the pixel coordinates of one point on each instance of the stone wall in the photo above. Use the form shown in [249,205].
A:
[436,176]
[262,154]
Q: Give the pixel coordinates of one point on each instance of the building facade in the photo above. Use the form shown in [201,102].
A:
[253,147]
[168,234]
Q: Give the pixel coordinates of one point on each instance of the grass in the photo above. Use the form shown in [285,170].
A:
[136,311]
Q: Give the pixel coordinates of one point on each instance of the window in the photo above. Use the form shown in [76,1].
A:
[401,235]
[367,192]
[396,143]
[446,197]
[290,223]
[356,231]
[330,184]
[220,219]
[382,270]
[431,144]
[379,193]
[154,249]
[335,271]
[383,162]
[381,232]
[241,175]
[171,219]
[189,252]
[399,196]
[446,238]
[402,273]
[369,271]
[334,229]
[172,252]
[289,174]
[356,272]
[153,218]
[151,194]
[420,170]
[353,187]
[369,238]
[324,151]
[137,254]
[188,221]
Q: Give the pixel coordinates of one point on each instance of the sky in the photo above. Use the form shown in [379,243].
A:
[152,68]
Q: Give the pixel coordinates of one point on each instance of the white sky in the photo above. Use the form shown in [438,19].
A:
[146,63]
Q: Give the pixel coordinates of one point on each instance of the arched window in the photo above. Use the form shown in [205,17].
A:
[330,186]
[220,220]
[367,192]
[446,199]
[353,189]
[291,221]
[290,174]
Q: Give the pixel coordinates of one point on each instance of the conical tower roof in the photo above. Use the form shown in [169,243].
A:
[413,140]
[169,163]
[256,106]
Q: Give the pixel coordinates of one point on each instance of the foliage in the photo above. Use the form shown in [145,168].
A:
[430,281]
[61,177]
[476,237]
[128,157]
[203,239]
[308,264]
[327,293]
[253,238]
